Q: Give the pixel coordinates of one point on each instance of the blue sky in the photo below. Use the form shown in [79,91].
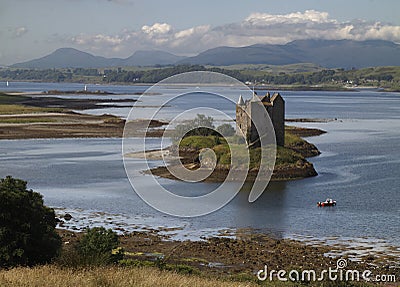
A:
[33,28]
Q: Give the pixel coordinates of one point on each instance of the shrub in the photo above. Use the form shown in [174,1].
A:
[97,245]
[199,142]
[287,156]
[226,130]
[236,139]
[199,126]
[27,226]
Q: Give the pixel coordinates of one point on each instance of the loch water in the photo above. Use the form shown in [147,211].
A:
[358,167]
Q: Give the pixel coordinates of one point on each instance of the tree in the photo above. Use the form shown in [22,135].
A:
[97,245]
[199,126]
[226,130]
[27,226]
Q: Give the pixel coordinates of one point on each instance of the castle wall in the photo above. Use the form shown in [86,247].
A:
[255,110]
[241,121]
[277,115]
[259,118]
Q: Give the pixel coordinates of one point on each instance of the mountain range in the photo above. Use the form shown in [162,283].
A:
[326,53]
[73,58]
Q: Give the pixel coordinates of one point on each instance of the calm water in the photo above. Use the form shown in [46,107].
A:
[359,167]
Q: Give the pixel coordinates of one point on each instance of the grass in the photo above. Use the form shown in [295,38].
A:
[11,99]
[284,155]
[292,140]
[199,142]
[26,120]
[12,104]
[11,109]
[114,276]
[54,276]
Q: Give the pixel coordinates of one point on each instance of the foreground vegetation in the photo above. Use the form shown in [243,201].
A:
[299,76]
[105,276]
[27,226]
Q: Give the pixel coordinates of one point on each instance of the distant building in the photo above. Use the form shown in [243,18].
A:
[249,109]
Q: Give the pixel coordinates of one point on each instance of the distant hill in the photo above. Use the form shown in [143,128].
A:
[68,58]
[151,58]
[326,53]
[73,58]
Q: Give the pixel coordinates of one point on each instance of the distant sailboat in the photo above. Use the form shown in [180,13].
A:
[7,83]
[85,88]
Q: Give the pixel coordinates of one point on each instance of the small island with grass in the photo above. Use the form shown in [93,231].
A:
[195,137]
[291,162]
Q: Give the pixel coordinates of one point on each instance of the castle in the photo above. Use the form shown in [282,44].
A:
[249,109]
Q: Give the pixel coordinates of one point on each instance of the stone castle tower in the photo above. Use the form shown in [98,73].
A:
[245,111]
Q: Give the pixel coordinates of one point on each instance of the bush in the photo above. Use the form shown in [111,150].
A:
[199,142]
[226,130]
[97,247]
[236,139]
[199,126]
[27,226]
[287,156]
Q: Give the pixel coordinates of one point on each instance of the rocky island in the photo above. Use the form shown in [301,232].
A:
[291,149]
[291,162]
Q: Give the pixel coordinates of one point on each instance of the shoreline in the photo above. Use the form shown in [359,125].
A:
[228,252]
[284,173]
[246,251]
[269,87]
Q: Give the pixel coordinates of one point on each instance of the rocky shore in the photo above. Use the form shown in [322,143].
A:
[244,252]
[281,173]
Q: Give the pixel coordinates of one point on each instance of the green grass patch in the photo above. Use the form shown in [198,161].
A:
[292,140]
[27,120]
[10,109]
[178,268]
[199,142]
[286,156]
[11,99]
[223,152]
[12,104]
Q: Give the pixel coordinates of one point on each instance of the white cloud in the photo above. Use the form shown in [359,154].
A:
[157,29]
[101,43]
[298,17]
[16,32]
[379,31]
[256,28]
[20,31]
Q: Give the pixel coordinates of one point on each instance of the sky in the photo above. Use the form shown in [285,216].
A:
[117,28]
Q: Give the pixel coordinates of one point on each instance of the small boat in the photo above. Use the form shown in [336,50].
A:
[327,202]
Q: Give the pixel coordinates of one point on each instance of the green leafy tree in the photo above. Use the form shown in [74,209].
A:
[99,246]
[27,226]
[226,130]
[199,126]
